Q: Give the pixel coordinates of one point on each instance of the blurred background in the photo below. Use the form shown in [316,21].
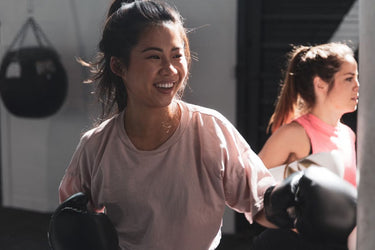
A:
[240,47]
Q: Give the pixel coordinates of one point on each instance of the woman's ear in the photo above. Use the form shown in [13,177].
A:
[116,66]
[320,85]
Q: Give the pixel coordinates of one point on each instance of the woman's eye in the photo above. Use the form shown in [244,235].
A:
[349,79]
[177,56]
[153,57]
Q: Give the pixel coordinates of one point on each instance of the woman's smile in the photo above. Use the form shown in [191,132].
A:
[165,85]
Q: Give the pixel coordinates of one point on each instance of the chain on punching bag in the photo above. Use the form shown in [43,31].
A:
[33,82]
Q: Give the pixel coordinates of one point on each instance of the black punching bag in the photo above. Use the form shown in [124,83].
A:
[33,82]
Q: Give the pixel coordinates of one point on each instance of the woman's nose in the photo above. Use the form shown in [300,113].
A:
[168,68]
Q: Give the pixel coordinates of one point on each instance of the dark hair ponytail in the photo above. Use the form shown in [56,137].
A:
[116,4]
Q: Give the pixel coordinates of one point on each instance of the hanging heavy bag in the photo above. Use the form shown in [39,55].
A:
[33,82]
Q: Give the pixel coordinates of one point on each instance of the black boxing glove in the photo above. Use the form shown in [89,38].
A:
[279,201]
[73,227]
[325,206]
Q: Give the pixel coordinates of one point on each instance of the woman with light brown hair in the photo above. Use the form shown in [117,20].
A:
[320,86]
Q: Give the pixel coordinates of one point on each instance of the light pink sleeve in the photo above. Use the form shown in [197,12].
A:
[69,185]
[76,178]
[245,178]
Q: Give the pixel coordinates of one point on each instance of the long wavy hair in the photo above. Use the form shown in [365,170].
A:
[297,95]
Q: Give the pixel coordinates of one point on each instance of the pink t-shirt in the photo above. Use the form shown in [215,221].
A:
[326,138]
[172,197]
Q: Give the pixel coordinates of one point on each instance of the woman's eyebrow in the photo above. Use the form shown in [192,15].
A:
[350,73]
[152,48]
[158,49]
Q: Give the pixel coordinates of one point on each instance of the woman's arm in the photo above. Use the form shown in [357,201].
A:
[261,219]
[289,143]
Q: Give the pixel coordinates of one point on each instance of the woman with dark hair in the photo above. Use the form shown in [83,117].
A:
[162,169]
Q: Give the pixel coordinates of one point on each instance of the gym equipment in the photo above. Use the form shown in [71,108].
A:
[73,227]
[33,81]
[315,201]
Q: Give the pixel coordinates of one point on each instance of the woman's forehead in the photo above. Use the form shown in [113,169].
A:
[161,33]
[349,64]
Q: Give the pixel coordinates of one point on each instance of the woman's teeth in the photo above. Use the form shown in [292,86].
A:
[164,85]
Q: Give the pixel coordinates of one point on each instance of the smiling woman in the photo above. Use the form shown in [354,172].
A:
[157,72]
[163,169]
[159,59]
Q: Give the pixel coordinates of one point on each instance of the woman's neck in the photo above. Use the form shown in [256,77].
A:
[148,128]
[328,116]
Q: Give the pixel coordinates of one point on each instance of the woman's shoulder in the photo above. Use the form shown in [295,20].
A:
[208,123]
[291,136]
[288,142]
[291,130]
[197,111]
[194,108]
[101,130]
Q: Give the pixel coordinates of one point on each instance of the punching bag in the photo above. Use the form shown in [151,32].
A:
[33,82]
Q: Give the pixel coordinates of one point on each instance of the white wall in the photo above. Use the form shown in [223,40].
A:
[35,152]
[213,75]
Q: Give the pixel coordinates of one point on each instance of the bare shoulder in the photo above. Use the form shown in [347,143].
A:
[292,132]
[289,142]
[291,129]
